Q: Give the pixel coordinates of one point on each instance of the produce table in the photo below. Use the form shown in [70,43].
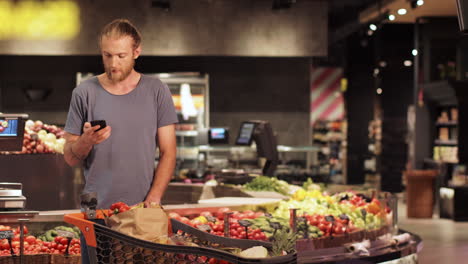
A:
[407,252]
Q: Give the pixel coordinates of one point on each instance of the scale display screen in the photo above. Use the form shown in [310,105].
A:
[246,131]
[8,127]
[12,131]
[218,135]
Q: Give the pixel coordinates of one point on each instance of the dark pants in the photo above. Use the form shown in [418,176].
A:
[84,247]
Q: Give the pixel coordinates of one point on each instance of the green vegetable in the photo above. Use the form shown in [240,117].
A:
[50,235]
[264,183]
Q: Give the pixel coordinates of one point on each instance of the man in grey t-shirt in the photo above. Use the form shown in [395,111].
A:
[118,160]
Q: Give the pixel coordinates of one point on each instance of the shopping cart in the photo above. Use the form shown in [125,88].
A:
[108,246]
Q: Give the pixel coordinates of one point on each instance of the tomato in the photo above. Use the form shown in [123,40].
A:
[249,214]
[60,247]
[64,241]
[221,211]
[258,214]
[185,220]
[15,244]
[75,241]
[4,244]
[4,228]
[213,261]
[25,230]
[53,245]
[57,239]
[233,233]
[338,230]
[16,237]
[30,239]
[206,213]
[175,216]
[195,222]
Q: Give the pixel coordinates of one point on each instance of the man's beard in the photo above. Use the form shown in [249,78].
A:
[125,72]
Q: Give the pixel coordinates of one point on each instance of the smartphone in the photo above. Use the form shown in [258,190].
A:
[102,123]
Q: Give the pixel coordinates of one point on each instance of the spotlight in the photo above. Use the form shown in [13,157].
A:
[370,32]
[407,63]
[379,91]
[373,27]
[163,4]
[376,72]
[416,3]
[401,11]
[282,4]
[414,52]
[383,64]
[391,17]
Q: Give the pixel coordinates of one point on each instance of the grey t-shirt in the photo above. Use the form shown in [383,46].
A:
[122,167]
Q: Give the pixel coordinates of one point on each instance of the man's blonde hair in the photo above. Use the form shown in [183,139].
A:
[121,28]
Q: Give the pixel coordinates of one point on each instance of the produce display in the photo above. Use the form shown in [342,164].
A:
[318,215]
[265,183]
[41,138]
[34,245]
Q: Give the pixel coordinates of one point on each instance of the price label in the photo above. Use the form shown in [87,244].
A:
[344,217]
[66,234]
[364,213]
[205,228]
[275,225]
[210,218]
[330,218]
[244,223]
[6,234]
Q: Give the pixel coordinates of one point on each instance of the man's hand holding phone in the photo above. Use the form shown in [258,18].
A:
[96,134]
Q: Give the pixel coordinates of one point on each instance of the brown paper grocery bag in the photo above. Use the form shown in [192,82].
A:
[144,223]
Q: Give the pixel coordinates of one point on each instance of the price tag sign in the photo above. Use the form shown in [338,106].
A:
[344,217]
[364,213]
[205,228]
[330,218]
[244,223]
[66,234]
[210,218]
[275,225]
[6,234]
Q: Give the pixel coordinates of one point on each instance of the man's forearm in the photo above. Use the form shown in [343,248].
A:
[76,151]
[162,176]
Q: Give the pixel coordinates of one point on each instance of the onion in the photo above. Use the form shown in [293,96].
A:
[29,123]
[38,123]
[40,148]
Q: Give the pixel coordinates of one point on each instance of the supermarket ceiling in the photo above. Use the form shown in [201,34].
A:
[430,8]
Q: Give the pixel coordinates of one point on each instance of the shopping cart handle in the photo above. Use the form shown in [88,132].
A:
[86,227]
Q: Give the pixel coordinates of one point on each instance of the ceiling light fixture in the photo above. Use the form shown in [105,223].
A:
[402,11]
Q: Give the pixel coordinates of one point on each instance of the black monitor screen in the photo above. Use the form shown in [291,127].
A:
[218,135]
[9,127]
[12,131]
[245,133]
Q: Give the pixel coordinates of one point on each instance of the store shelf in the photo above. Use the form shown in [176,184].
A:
[441,92]
[439,142]
[432,161]
[447,124]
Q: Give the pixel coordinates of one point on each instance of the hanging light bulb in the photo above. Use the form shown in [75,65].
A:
[402,11]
